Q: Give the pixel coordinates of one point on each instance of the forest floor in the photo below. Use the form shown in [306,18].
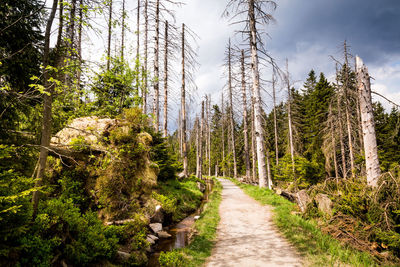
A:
[246,235]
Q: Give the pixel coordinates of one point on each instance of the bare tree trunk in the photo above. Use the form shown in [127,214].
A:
[183,107]
[146,54]
[198,165]
[259,131]
[165,125]
[348,121]
[47,111]
[123,30]
[209,134]
[275,121]
[232,122]
[253,144]
[245,117]
[290,117]
[206,129]
[138,31]
[80,29]
[60,24]
[332,130]
[223,133]
[156,104]
[200,175]
[342,149]
[110,8]
[71,26]
[368,124]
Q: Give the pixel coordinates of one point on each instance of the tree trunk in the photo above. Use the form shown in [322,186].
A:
[209,134]
[123,30]
[138,32]
[290,117]
[146,54]
[198,165]
[275,121]
[253,144]
[259,131]
[368,124]
[231,120]
[156,104]
[109,34]
[165,124]
[47,111]
[183,107]
[332,130]
[80,29]
[342,149]
[223,134]
[200,175]
[245,117]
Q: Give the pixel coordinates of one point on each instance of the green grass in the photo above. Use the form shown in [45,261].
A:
[200,248]
[317,248]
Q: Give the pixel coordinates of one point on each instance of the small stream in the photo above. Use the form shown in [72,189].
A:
[180,232]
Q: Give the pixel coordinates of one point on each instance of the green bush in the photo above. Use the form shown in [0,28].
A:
[172,259]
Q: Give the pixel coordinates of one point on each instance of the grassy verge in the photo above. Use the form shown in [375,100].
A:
[179,198]
[317,248]
[200,248]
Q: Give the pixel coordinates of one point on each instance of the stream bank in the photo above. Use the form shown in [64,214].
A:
[181,233]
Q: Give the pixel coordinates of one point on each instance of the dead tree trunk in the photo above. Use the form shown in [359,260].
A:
[165,124]
[223,134]
[253,145]
[245,117]
[333,140]
[197,128]
[156,103]
[348,120]
[209,134]
[368,124]
[146,54]
[290,117]
[110,8]
[138,32]
[231,120]
[342,149]
[183,107]
[275,121]
[47,111]
[201,137]
[123,30]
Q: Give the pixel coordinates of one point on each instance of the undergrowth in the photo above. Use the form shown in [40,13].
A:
[317,248]
[200,248]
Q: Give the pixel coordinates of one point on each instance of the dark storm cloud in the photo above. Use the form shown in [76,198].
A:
[371,27]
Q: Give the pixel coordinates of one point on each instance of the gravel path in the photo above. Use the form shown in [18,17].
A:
[246,234]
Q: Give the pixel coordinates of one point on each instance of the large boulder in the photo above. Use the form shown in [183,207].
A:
[156,227]
[88,130]
[324,203]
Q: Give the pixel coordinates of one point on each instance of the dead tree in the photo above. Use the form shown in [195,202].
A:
[231,119]
[223,133]
[253,145]
[47,110]
[123,30]
[290,125]
[110,10]
[146,54]
[368,124]
[339,119]
[254,12]
[275,120]
[166,51]
[245,117]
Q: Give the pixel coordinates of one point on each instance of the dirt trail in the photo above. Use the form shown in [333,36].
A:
[246,234]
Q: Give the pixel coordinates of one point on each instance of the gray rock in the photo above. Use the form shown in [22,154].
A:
[158,216]
[163,234]
[324,203]
[196,218]
[302,200]
[181,175]
[151,241]
[156,227]
[153,237]
[123,256]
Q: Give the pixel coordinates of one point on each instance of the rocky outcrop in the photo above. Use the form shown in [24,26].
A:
[324,203]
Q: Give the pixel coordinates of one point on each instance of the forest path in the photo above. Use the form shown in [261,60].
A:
[246,235]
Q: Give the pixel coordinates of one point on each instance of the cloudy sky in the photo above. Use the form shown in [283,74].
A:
[307,32]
